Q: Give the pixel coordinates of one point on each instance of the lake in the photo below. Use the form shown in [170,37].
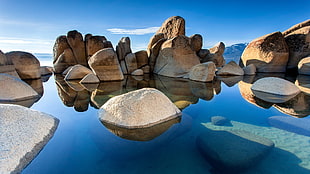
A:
[82,144]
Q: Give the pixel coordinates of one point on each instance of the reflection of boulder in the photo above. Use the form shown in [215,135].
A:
[75,85]
[230,80]
[81,101]
[142,134]
[202,90]
[65,92]
[303,83]
[296,125]
[233,151]
[37,85]
[299,106]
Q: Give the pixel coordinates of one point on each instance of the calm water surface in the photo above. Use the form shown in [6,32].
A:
[82,144]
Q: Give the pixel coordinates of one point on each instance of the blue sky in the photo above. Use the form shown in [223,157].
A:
[33,25]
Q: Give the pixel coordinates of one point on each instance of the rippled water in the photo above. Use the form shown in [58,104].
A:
[82,144]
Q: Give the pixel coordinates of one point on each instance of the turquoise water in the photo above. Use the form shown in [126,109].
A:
[82,144]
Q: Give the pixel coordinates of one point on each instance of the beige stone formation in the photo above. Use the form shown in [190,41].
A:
[65,60]
[94,44]
[298,43]
[131,62]
[203,55]
[65,92]
[76,42]
[154,52]
[105,65]
[26,64]
[138,109]
[154,39]
[24,132]
[304,66]
[146,69]
[274,89]
[6,65]
[142,58]
[296,27]
[90,78]
[204,72]
[268,53]
[176,58]
[249,70]
[172,27]
[195,42]
[46,70]
[77,72]
[216,54]
[230,69]
[61,44]
[137,72]
[14,89]
[123,48]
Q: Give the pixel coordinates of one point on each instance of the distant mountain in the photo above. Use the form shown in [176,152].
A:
[234,52]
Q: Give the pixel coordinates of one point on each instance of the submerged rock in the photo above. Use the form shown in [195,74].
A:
[233,151]
[24,132]
[274,90]
[220,121]
[137,109]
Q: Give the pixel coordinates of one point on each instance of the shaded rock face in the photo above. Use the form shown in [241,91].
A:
[6,65]
[137,109]
[176,58]
[90,78]
[123,48]
[26,64]
[216,54]
[231,69]
[65,60]
[96,43]
[154,51]
[304,66]
[154,39]
[105,65]
[131,62]
[298,43]
[172,27]
[249,70]
[196,42]
[204,72]
[77,72]
[75,40]
[25,132]
[61,44]
[142,58]
[274,90]
[233,151]
[268,53]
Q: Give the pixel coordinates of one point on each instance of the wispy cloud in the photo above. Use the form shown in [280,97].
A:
[26,44]
[140,31]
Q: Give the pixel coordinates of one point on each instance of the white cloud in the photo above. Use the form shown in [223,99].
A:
[26,44]
[140,31]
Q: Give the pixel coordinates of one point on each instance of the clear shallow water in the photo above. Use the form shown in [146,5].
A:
[82,144]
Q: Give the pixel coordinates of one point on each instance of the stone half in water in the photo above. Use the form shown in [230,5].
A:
[138,109]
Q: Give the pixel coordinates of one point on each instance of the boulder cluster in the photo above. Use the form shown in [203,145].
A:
[286,51]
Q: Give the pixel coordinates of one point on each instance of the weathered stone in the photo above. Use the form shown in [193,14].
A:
[230,69]
[26,64]
[105,65]
[6,65]
[90,78]
[296,27]
[268,53]
[75,40]
[233,151]
[202,90]
[36,84]
[274,90]
[131,62]
[154,53]
[172,27]
[61,44]
[77,72]
[142,58]
[65,60]
[46,70]
[249,70]
[14,89]
[123,48]
[24,132]
[94,44]
[146,69]
[216,55]
[220,121]
[304,66]
[298,43]
[154,39]
[123,67]
[203,55]
[204,72]
[138,109]
[137,72]
[195,42]
[176,58]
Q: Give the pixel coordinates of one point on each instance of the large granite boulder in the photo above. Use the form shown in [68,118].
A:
[90,78]
[123,48]
[233,151]
[203,55]
[76,42]
[96,43]
[14,89]
[172,27]
[216,55]
[60,45]
[230,69]
[220,121]
[26,64]
[138,109]
[204,72]
[105,65]
[274,89]
[154,52]
[154,39]
[24,132]
[268,53]
[304,66]
[176,58]
[291,124]
[6,65]
[296,27]
[195,42]
[298,43]
[131,62]
[65,60]
[77,72]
